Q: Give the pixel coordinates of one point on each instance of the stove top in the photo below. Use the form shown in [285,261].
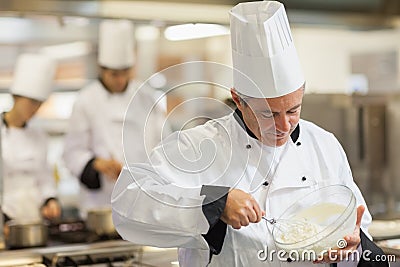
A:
[103,253]
[12,258]
[75,232]
[71,244]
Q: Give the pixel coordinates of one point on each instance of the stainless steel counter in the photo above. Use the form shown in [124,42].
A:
[19,258]
[99,252]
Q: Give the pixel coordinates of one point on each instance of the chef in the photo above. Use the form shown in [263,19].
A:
[205,189]
[93,149]
[29,186]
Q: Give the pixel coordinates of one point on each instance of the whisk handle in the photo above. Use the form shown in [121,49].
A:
[271,221]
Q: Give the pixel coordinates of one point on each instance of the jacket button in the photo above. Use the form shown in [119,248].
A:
[303,178]
[265,183]
[248,146]
[298,144]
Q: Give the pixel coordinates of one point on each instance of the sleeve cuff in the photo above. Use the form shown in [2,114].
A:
[214,202]
[213,207]
[374,252]
[90,177]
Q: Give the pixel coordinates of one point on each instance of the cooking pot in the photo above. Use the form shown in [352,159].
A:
[26,234]
[100,222]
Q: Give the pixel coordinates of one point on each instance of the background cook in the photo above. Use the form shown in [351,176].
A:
[93,149]
[29,186]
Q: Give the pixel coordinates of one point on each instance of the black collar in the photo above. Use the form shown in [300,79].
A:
[3,118]
[239,118]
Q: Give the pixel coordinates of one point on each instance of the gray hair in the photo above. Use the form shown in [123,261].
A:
[243,98]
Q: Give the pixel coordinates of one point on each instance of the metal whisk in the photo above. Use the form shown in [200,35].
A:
[293,227]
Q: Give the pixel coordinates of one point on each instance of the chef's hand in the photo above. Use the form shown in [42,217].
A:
[352,241]
[51,209]
[241,209]
[109,167]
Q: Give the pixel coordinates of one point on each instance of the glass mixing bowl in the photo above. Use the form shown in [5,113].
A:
[316,222]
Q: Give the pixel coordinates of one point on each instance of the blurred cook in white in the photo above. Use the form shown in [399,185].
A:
[93,149]
[29,187]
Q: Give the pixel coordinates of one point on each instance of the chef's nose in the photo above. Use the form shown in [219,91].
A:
[282,123]
[120,78]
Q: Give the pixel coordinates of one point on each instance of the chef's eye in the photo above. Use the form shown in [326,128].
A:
[267,115]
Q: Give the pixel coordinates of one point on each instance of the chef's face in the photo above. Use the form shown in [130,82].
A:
[26,107]
[115,80]
[272,120]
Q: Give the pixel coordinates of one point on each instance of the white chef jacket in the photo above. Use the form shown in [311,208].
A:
[159,203]
[28,179]
[95,130]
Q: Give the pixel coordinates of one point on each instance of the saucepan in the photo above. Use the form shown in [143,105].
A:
[24,234]
[100,222]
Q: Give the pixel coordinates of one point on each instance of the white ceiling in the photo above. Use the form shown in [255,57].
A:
[362,14]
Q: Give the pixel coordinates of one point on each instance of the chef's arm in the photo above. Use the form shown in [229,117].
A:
[46,181]
[50,210]
[223,207]
[78,155]
[367,249]
[96,166]
[149,210]
[111,168]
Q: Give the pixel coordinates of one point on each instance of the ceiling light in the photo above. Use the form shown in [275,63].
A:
[69,50]
[194,31]
[77,21]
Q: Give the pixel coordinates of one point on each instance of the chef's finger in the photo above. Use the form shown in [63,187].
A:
[252,215]
[244,221]
[236,226]
[263,213]
[258,211]
[360,212]
[352,240]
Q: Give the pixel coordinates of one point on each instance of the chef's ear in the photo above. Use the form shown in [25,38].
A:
[237,99]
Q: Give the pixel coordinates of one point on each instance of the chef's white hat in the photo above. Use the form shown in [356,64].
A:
[263,53]
[33,76]
[116,44]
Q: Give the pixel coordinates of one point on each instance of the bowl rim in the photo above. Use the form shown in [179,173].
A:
[326,231]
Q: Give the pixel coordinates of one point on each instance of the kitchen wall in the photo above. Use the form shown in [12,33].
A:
[326,54]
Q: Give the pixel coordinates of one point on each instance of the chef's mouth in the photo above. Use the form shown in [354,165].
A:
[277,135]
